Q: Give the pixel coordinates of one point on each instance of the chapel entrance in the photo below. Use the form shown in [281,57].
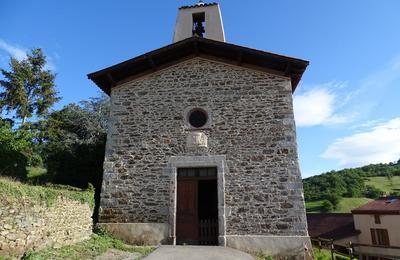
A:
[197,206]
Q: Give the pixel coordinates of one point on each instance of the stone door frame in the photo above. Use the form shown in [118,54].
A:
[217,161]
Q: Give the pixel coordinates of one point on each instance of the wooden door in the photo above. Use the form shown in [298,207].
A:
[187,215]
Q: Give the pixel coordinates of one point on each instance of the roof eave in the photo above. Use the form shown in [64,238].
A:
[372,212]
[195,46]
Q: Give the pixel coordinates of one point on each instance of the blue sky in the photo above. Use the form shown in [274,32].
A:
[346,106]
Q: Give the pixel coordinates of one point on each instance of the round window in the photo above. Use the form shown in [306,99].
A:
[198,117]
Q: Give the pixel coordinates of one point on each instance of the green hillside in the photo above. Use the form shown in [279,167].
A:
[388,185]
[341,191]
[345,205]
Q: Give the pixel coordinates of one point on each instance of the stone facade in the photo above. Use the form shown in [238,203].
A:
[251,124]
[26,225]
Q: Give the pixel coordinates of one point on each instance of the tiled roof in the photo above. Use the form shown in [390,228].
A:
[331,225]
[386,205]
[199,4]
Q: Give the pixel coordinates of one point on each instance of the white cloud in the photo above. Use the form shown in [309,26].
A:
[379,144]
[14,51]
[366,125]
[335,103]
[20,54]
[319,106]
[49,64]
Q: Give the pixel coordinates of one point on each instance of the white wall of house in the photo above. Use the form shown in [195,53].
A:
[364,223]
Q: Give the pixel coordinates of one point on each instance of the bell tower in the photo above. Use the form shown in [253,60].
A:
[201,20]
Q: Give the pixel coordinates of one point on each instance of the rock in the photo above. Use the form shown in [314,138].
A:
[4,233]
[7,226]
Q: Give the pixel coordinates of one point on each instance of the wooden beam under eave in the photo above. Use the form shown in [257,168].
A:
[151,62]
[240,58]
[288,69]
[111,79]
[196,48]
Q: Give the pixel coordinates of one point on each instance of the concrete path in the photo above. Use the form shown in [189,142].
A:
[118,255]
[197,253]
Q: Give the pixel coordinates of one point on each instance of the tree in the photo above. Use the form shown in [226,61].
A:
[14,150]
[389,176]
[28,87]
[74,144]
[332,198]
[372,192]
[327,206]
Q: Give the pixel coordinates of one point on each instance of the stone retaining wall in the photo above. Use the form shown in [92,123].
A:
[26,225]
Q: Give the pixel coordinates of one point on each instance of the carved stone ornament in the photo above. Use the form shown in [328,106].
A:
[196,139]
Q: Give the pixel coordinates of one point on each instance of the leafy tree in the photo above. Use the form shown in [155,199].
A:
[389,176]
[28,87]
[74,144]
[74,139]
[327,206]
[14,148]
[372,192]
[332,198]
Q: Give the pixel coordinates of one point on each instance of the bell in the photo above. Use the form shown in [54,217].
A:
[198,29]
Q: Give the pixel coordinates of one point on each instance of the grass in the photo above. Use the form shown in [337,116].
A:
[384,184]
[35,172]
[321,254]
[261,256]
[98,244]
[11,189]
[325,254]
[345,205]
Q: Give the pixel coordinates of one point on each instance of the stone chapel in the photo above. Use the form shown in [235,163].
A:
[201,146]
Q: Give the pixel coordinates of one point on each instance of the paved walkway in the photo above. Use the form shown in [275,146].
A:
[197,253]
[115,254]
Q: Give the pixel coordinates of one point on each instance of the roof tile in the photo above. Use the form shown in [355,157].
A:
[384,205]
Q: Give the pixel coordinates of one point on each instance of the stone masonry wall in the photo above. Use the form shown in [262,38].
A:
[26,225]
[252,124]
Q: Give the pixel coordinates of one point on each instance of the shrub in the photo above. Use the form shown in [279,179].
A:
[333,199]
[327,206]
[373,192]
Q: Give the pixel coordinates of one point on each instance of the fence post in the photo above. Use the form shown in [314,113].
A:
[350,249]
[332,248]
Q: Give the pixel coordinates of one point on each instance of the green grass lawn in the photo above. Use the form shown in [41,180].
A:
[384,184]
[345,205]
